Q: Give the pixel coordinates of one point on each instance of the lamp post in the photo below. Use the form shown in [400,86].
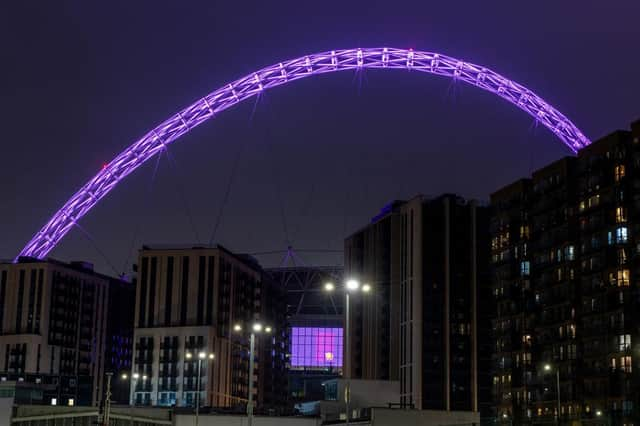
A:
[201,357]
[351,286]
[134,382]
[107,401]
[547,367]
[256,328]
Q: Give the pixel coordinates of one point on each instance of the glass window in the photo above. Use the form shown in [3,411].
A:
[624,342]
[623,278]
[570,253]
[622,234]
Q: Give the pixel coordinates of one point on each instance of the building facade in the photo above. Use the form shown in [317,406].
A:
[189,301]
[564,254]
[55,330]
[315,328]
[422,323]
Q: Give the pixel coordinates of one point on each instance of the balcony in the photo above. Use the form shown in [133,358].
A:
[144,358]
[168,388]
[169,345]
[169,358]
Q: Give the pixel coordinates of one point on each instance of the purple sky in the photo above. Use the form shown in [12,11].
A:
[80,81]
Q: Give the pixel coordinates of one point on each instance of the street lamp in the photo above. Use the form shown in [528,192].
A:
[134,381]
[548,367]
[350,286]
[202,355]
[256,328]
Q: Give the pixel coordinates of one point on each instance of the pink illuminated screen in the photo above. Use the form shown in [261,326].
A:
[316,347]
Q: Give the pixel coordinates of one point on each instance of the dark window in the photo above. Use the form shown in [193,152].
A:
[32,300]
[184,291]
[152,290]
[212,265]
[3,296]
[143,291]
[38,360]
[20,300]
[201,271]
[167,299]
[39,302]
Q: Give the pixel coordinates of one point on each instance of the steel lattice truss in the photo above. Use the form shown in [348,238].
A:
[214,103]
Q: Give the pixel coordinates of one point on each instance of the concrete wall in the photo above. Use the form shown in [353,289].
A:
[398,417]
[224,420]
[6,405]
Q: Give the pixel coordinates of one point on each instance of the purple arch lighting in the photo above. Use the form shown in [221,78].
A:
[275,75]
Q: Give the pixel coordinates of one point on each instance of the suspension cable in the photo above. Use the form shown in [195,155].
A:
[147,198]
[276,177]
[225,200]
[181,192]
[96,247]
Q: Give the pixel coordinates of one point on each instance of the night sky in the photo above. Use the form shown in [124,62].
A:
[311,161]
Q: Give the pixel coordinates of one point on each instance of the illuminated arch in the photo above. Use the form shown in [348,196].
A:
[212,104]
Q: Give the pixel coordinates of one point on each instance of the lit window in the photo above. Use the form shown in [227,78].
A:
[622,256]
[622,234]
[621,216]
[623,278]
[524,231]
[618,172]
[524,268]
[624,342]
[625,364]
[570,253]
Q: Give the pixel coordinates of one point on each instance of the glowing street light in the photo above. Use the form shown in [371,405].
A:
[350,286]
[202,355]
[549,367]
[256,328]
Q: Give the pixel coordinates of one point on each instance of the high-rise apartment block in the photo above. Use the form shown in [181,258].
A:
[189,301]
[57,338]
[424,322]
[564,255]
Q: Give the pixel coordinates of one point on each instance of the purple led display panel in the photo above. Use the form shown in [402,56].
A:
[316,347]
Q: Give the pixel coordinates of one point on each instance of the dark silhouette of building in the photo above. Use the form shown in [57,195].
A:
[189,301]
[119,341]
[60,331]
[564,254]
[425,320]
